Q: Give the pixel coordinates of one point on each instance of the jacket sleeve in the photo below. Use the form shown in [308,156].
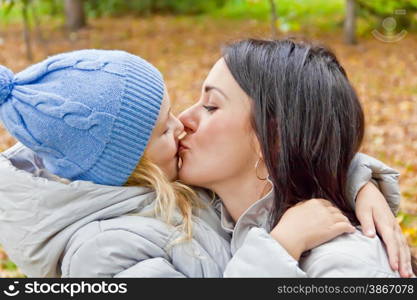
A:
[262,256]
[157,267]
[339,264]
[364,169]
[117,253]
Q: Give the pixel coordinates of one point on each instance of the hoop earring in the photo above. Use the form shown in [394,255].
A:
[256,170]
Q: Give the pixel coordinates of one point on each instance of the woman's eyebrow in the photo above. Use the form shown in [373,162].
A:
[208,88]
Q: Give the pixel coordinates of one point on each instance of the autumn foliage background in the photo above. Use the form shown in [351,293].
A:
[185,47]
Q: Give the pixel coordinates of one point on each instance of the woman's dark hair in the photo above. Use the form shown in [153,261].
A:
[306,115]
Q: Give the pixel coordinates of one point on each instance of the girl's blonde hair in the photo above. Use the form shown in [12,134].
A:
[169,195]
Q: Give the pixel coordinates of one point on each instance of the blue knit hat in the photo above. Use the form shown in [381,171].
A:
[88,114]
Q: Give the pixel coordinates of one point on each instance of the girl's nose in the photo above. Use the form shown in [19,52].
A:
[179,127]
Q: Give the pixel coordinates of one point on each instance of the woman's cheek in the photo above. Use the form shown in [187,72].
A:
[226,131]
[216,127]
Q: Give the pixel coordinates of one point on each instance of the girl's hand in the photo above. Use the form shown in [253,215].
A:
[309,224]
[372,211]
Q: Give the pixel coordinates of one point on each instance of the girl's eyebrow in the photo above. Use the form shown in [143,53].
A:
[208,88]
[162,124]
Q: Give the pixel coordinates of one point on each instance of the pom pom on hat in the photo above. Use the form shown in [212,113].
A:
[6,83]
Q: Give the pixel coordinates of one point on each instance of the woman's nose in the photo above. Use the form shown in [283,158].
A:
[188,119]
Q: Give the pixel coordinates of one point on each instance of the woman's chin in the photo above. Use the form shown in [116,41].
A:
[185,170]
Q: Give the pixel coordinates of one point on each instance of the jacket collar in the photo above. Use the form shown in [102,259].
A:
[257,215]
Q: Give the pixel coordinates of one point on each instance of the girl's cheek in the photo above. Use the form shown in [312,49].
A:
[173,147]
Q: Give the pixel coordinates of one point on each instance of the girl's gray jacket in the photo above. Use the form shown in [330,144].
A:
[81,229]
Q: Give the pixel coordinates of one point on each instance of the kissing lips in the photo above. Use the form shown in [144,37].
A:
[182,147]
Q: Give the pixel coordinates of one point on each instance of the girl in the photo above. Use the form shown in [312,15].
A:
[94,120]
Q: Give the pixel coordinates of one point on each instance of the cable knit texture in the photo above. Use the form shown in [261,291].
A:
[88,114]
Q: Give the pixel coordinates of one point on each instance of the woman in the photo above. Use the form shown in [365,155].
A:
[283,123]
[90,230]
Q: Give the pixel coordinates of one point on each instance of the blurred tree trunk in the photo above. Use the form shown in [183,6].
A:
[274,18]
[26,30]
[350,22]
[42,41]
[75,15]
[54,8]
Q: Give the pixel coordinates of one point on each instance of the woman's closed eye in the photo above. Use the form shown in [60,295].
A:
[210,108]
